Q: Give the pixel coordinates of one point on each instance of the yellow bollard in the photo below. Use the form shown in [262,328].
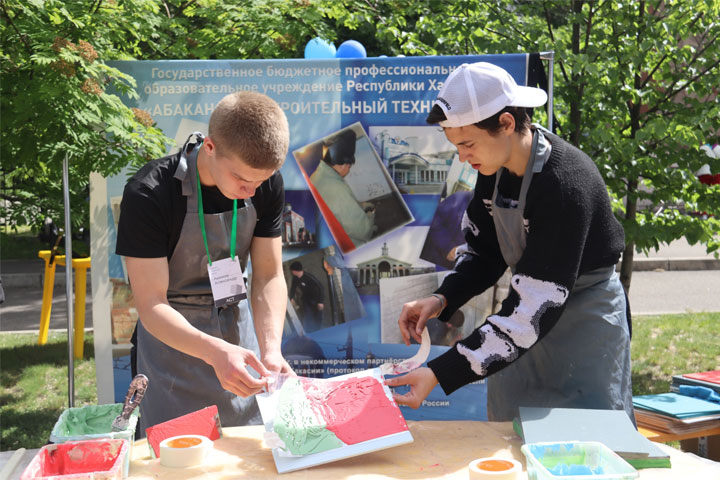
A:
[48,286]
[80,265]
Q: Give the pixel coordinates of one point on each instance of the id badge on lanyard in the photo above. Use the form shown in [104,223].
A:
[226,276]
[226,281]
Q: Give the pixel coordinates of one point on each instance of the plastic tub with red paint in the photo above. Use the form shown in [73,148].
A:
[81,460]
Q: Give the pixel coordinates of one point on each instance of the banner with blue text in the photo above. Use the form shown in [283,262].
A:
[386,237]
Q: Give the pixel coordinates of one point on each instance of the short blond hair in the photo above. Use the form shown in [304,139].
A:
[252,126]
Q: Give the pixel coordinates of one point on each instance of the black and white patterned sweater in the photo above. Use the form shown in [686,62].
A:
[570,230]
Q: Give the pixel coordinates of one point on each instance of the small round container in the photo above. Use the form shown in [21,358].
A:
[184,450]
[493,468]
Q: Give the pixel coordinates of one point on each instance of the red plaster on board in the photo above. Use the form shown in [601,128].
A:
[355,410]
[204,422]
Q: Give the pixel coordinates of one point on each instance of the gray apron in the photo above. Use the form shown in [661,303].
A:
[180,383]
[584,361]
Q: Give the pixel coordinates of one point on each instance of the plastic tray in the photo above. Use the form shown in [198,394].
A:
[575,461]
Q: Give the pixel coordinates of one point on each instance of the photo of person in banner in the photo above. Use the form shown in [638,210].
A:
[352,188]
[306,295]
[562,336]
[357,218]
[321,292]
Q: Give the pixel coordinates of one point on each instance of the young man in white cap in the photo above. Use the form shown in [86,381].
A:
[562,335]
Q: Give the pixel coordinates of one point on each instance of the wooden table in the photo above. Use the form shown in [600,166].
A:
[440,450]
[657,436]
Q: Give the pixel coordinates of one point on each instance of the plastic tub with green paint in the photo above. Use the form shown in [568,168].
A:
[94,422]
[575,461]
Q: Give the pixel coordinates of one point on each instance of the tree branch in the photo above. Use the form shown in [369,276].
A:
[512,27]
[552,39]
[22,37]
[186,4]
[652,72]
[662,60]
[588,25]
[673,92]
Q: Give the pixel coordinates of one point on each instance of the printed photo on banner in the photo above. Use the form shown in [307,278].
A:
[396,291]
[445,235]
[395,255]
[352,187]
[300,220]
[417,158]
[321,292]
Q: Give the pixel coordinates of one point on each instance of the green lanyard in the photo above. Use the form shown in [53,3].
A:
[201,214]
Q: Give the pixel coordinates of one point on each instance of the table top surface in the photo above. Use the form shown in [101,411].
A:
[441,449]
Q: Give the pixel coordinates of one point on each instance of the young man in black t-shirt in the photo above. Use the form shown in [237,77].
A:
[179,215]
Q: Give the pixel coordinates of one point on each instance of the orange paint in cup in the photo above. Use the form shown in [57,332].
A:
[495,465]
[184,442]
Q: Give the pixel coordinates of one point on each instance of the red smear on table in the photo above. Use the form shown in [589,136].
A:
[204,422]
[81,457]
[355,410]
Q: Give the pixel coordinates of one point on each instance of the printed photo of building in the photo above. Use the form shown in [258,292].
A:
[417,158]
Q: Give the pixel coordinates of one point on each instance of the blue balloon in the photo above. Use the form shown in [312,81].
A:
[319,48]
[351,49]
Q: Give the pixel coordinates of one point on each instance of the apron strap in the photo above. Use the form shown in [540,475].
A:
[529,170]
[184,166]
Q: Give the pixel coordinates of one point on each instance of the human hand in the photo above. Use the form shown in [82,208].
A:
[414,317]
[320,306]
[275,362]
[230,363]
[421,382]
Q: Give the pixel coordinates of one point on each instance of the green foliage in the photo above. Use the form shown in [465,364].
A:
[635,88]
[55,104]
[17,247]
[635,84]
[214,29]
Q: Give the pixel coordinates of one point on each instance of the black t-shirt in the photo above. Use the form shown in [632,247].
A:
[153,209]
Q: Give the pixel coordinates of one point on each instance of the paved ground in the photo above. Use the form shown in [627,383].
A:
[689,282]
[675,292]
[21,310]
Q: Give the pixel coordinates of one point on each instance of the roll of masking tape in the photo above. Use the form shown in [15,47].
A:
[494,468]
[184,450]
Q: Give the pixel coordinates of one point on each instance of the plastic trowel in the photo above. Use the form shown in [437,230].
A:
[411,363]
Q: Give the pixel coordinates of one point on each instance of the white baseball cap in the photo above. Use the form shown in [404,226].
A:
[476,91]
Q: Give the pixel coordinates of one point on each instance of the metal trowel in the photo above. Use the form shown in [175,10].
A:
[135,393]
